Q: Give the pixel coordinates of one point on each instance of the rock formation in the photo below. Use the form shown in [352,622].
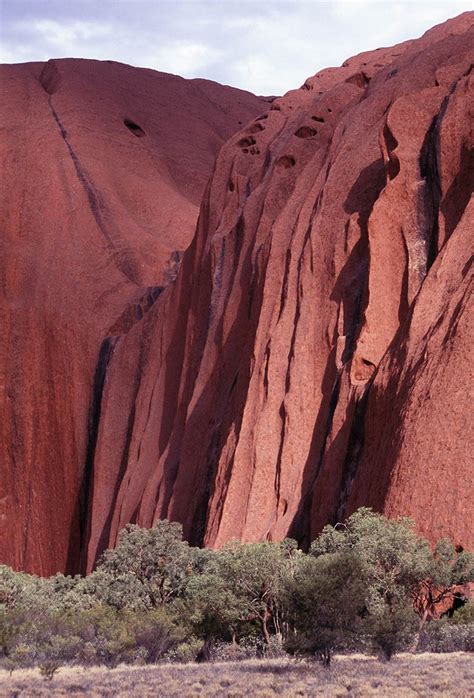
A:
[315,351]
[103,169]
[311,350]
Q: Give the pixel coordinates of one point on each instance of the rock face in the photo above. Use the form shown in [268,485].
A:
[103,169]
[314,353]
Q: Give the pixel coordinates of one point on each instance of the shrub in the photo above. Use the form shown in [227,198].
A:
[325,601]
[106,635]
[465,614]
[390,628]
[394,562]
[185,652]
[155,634]
[155,598]
[49,668]
[447,636]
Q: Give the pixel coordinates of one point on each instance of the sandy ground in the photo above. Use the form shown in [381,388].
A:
[357,675]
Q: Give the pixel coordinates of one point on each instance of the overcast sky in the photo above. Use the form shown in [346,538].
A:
[267,46]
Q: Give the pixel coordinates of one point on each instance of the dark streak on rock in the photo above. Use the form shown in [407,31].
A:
[124,265]
[105,354]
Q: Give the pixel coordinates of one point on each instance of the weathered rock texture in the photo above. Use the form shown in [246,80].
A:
[103,169]
[315,351]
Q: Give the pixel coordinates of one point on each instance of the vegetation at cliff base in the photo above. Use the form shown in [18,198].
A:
[366,585]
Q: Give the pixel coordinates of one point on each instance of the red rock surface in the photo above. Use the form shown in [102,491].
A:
[314,353]
[95,215]
[432,603]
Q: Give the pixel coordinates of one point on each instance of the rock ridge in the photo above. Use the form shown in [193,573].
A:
[282,380]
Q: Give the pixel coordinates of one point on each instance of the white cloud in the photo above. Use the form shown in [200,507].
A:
[63,34]
[267,47]
[20,54]
[183,58]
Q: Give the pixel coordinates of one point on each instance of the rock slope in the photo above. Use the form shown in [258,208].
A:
[315,351]
[103,169]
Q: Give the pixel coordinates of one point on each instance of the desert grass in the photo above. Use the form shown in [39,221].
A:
[357,675]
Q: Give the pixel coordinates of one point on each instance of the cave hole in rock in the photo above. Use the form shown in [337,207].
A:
[359,79]
[319,119]
[305,132]
[245,150]
[286,161]
[246,142]
[329,109]
[262,118]
[457,603]
[255,128]
[364,369]
[393,167]
[393,164]
[390,139]
[231,185]
[134,128]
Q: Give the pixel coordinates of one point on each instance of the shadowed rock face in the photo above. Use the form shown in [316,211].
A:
[313,354]
[103,169]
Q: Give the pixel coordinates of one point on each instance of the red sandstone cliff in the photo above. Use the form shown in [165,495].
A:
[103,169]
[315,351]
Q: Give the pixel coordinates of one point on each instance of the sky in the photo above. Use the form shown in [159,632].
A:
[265,46]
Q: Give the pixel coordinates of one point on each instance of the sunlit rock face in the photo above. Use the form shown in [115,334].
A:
[103,170]
[308,353]
[314,352]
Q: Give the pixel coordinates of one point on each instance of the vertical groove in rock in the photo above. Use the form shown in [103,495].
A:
[429,171]
[105,354]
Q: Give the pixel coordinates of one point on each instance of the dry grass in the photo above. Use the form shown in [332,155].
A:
[406,675]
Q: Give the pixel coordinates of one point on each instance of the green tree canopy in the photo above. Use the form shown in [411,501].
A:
[393,562]
[325,602]
[149,567]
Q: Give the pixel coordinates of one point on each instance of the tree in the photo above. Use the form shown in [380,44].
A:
[255,573]
[394,561]
[325,602]
[148,569]
[212,609]
[18,589]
